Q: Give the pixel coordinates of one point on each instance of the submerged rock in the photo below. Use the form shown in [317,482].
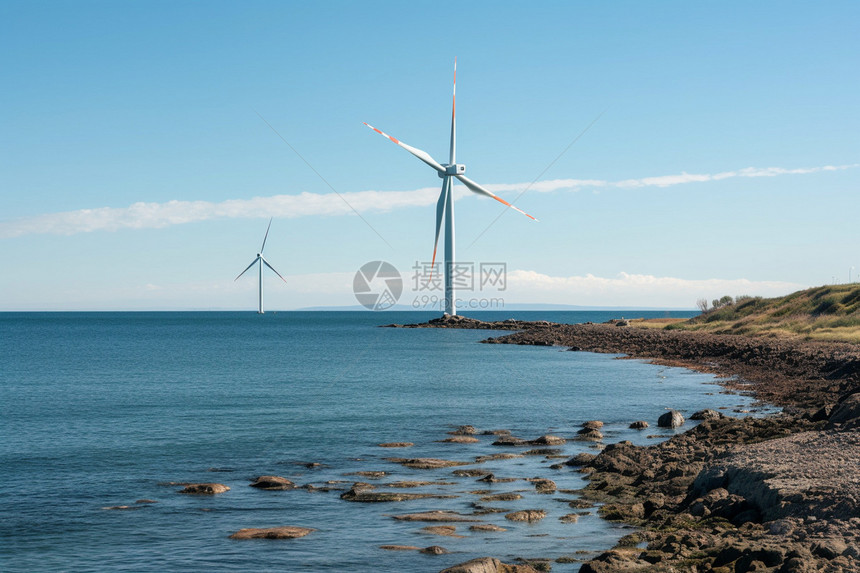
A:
[369,474]
[486,527]
[639,425]
[549,440]
[414,483]
[444,530]
[434,550]
[496,432]
[526,515]
[399,547]
[461,440]
[466,430]
[205,488]
[438,515]
[491,478]
[287,532]
[275,483]
[482,459]
[361,493]
[396,445]
[589,434]
[488,565]
[426,463]
[506,496]
[543,485]
[508,440]
[470,473]
[547,452]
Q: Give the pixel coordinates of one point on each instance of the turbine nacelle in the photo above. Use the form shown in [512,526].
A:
[452,170]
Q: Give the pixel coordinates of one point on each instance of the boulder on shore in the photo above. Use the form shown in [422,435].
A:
[846,414]
[580,459]
[707,414]
[671,419]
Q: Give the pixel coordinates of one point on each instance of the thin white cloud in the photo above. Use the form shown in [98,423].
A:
[663,180]
[157,215]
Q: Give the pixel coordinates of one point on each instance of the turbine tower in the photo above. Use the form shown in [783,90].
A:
[262,261]
[445,205]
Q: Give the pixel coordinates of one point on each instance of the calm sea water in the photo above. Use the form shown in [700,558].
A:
[101,409]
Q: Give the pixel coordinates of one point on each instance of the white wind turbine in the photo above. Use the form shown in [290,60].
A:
[262,261]
[445,205]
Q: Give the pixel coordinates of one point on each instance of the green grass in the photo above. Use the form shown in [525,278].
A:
[821,313]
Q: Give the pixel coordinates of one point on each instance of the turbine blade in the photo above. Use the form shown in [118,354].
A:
[246,269]
[266,237]
[422,155]
[454,119]
[440,212]
[481,191]
[265,262]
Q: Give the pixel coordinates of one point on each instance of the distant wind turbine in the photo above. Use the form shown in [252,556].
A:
[445,205]
[262,261]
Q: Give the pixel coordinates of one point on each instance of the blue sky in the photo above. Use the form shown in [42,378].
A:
[135,172]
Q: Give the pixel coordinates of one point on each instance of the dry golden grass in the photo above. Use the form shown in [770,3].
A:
[821,313]
[655,322]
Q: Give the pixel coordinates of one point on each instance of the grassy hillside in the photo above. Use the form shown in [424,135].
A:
[827,313]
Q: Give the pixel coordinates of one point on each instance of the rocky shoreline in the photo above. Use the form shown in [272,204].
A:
[778,494]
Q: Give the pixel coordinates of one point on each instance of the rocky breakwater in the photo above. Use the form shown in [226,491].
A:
[780,494]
